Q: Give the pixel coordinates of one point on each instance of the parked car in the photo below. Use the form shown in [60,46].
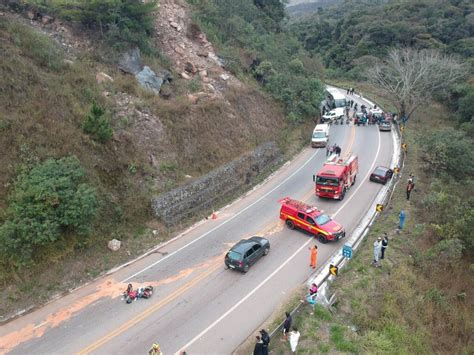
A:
[331,116]
[385,126]
[381,174]
[376,111]
[246,252]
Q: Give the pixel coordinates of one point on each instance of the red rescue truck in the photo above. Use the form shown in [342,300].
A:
[336,177]
[297,214]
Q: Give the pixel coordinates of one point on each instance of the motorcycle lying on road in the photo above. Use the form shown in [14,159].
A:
[130,294]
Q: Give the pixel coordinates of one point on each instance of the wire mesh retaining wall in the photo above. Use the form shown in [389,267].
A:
[383,197]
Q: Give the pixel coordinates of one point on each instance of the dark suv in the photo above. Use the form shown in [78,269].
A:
[246,252]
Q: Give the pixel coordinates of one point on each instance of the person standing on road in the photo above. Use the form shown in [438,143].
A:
[287,325]
[294,337]
[410,187]
[328,149]
[314,256]
[155,350]
[258,349]
[338,151]
[384,245]
[265,340]
[377,247]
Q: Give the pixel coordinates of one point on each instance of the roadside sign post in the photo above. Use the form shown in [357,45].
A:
[379,207]
[347,251]
[333,269]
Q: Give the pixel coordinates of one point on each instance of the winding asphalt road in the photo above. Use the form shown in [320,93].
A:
[199,306]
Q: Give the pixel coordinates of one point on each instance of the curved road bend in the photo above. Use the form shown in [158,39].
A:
[198,305]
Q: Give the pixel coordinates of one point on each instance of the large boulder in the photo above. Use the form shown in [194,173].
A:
[130,62]
[149,80]
[114,244]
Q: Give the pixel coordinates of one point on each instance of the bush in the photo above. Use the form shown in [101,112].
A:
[451,215]
[466,106]
[300,95]
[97,125]
[49,203]
[120,22]
[444,151]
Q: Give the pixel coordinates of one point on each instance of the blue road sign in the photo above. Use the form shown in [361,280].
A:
[347,251]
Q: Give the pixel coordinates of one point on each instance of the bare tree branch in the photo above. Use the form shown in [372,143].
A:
[410,76]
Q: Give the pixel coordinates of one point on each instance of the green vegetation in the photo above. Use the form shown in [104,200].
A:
[97,125]
[252,40]
[348,39]
[35,46]
[339,341]
[121,23]
[50,202]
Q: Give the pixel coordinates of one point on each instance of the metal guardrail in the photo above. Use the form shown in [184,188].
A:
[384,197]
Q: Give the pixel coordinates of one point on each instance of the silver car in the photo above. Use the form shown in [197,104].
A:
[385,126]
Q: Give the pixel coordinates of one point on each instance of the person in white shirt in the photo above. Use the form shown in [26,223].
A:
[294,337]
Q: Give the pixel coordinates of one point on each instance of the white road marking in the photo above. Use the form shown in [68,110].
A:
[280,267]
[243,299]
[40,325]
[226,221]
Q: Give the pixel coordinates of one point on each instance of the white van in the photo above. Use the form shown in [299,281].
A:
[320,135]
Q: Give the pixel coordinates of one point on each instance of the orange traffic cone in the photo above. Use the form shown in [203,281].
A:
[213,215]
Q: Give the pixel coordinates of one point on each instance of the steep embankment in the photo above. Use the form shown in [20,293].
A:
[50,75]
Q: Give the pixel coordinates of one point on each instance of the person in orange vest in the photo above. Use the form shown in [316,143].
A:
[314,256]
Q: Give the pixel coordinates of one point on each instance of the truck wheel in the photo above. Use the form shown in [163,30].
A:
[322,239]
[246,268]
[290,224]
[342,195]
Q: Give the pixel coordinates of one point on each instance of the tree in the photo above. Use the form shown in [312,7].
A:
[97,125]
[410,77]
[49,203]
[466,105]
[128,21]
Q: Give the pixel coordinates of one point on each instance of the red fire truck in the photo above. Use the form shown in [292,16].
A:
[297,214]
[336,177]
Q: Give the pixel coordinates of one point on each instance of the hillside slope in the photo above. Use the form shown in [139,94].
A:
[51,74]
